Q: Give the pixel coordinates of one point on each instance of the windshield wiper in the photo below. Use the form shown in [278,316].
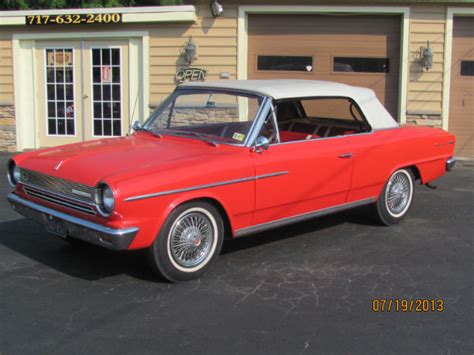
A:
[201,136]
[153,133]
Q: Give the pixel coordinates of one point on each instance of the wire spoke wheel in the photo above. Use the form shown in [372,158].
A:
[192,237]
[398,193]
[189,242]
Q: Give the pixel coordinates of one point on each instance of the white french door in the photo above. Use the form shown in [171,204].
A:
[82,90]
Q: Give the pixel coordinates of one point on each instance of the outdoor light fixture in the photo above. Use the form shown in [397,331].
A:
[190,51]
[427,57]
[216,8]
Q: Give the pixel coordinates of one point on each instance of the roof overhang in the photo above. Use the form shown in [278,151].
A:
[150,14]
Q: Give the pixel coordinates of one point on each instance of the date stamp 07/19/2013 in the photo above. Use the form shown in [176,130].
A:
[422,305]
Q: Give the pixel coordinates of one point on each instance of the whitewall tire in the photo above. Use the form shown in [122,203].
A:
[188,243]
[396,197]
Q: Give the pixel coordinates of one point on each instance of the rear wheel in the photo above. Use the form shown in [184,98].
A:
[189,242]
[396,197]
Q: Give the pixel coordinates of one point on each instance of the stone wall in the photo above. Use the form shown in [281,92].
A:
[191,116]
[185,116]
[7,128]
[427,120]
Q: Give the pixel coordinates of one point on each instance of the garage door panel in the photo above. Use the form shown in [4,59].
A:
[461,112]
[323,38]
[301,24]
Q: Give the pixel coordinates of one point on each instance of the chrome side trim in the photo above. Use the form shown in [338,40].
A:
[205,186]
[302,217]
[71,219]
[264,176]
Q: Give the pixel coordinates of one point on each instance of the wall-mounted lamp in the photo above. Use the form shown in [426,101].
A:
[216,8]
[190,51]
[427,57]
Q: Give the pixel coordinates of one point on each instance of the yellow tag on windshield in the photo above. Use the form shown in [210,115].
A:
[238,136]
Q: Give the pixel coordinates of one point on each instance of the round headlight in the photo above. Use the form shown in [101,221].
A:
[14,173]
[108,199]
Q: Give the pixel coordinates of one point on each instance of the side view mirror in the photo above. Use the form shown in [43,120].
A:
[136,126]
[261,143]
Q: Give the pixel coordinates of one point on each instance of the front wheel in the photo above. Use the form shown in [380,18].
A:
[396,198]
[189,242]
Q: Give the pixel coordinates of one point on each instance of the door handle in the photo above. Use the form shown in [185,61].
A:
[85,96]
[345,155]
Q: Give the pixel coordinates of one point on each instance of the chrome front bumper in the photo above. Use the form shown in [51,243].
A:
[116,239]
[450,163]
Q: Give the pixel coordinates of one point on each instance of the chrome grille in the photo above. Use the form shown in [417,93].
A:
[59,186]
[59,200]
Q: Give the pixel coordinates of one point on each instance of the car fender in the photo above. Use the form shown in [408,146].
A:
[187,197]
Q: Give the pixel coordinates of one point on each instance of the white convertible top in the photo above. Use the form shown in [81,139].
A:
[376,114]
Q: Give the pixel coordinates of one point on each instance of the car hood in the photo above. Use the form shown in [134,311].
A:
[93,161]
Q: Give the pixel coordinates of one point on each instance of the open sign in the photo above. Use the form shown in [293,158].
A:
[191,74]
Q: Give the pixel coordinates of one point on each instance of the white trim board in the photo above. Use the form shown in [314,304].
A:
[182,13]
[25,72]
[448,53]
[242,35]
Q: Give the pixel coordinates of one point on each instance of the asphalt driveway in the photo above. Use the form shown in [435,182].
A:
[306,288]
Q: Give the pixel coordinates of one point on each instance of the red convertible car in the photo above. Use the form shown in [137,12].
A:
[229,158]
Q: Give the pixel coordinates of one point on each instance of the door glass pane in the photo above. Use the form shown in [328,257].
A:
[285,63]
[69,92]
[467,68]
[95,57]
[96,75]
[116,74]
[115,56]
[361,65]
[106,92]
[60,91]
[107,127]
[61,126]
[116,92]
[68,75]
[107,86]
[98,127]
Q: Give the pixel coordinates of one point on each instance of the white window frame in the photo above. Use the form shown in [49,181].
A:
[45,81]
[101,101]
[25,74]
[404,11]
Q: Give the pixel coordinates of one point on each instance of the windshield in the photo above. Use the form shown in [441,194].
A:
[221,116]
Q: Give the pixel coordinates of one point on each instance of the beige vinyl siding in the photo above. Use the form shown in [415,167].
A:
[216,40]
[6,69]
[425,87]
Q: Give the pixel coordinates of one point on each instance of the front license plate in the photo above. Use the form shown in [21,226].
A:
[55,226]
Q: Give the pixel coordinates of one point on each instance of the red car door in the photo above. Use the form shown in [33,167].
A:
[300,177]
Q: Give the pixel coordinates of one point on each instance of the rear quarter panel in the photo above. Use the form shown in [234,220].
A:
[378,154]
